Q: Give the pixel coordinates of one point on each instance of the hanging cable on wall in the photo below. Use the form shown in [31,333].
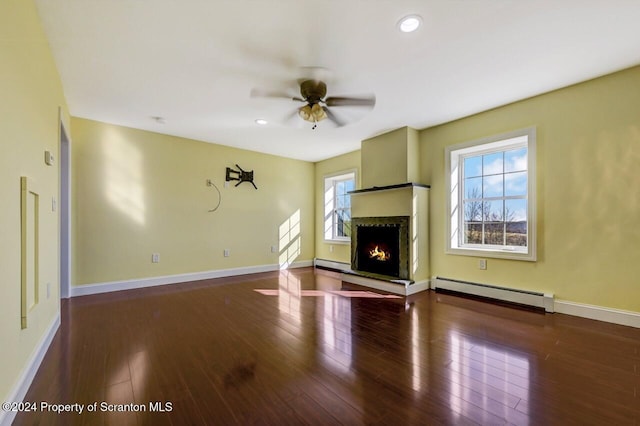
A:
[210,183]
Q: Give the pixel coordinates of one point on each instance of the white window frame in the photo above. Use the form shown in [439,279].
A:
[454,214]
[330,209]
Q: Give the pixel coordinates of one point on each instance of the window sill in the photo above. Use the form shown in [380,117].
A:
[345,242]
[493,253]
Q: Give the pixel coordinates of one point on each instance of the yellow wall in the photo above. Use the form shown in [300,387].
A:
[337,252]
[136,193]
[588,189]
[31,97]
[390,158]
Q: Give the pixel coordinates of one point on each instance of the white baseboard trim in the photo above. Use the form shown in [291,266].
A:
[24,382]
[402,288]
[332,264]
[615,316]
[522,297]
[87,289]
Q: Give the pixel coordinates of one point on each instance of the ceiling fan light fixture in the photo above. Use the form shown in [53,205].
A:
[409,23]
[305,113]
[318,112]
[312,113]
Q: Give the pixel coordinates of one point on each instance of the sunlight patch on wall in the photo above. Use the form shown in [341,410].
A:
[289,240]
[123,177]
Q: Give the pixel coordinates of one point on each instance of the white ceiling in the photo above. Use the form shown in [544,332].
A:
[194,62]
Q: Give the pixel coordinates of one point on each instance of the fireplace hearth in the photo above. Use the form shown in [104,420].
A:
[380,246]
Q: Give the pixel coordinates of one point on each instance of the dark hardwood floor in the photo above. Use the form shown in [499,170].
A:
[291,348]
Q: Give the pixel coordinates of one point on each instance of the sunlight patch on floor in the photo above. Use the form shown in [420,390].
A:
[342,293]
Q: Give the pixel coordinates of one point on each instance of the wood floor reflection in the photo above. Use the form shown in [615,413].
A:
[300,347]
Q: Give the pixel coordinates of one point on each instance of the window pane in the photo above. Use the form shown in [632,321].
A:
[473,211]
[492,164]
[346,229]
[516,238]
[340,223]
[493,211]
[516,226]
[517,234]
[516,160]
[493,186]
[494,233]
[515,210]
[344,223]
[515,184]
[473,166]
[473,188]
[338,206]
[472,233]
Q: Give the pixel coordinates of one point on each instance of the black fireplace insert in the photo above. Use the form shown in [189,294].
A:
[380,246]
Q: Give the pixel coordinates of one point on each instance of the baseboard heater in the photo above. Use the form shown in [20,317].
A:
[521,297]
[331,265]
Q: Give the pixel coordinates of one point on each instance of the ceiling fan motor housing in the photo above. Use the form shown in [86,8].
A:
[313,91]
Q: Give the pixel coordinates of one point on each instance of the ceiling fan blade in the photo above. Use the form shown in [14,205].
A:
[290,116]
[259,93]
[368,101]
[331,116]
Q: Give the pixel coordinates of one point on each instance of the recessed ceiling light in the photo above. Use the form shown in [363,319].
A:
[261,121]
[409,23]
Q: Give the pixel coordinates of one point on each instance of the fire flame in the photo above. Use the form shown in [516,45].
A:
[378,254]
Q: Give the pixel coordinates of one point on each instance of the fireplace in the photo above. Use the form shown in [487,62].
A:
[380,246]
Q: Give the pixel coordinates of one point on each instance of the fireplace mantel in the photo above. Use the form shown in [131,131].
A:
[388,187]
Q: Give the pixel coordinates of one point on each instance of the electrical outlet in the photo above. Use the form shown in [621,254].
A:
[209,183]
[155,258]
[49,159]
[331,249]
[54,204]
[227,252]
[482,264]
[274,249]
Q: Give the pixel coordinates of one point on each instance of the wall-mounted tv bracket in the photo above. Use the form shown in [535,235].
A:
[240,175]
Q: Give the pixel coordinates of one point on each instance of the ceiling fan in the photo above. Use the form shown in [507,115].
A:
[317,105]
